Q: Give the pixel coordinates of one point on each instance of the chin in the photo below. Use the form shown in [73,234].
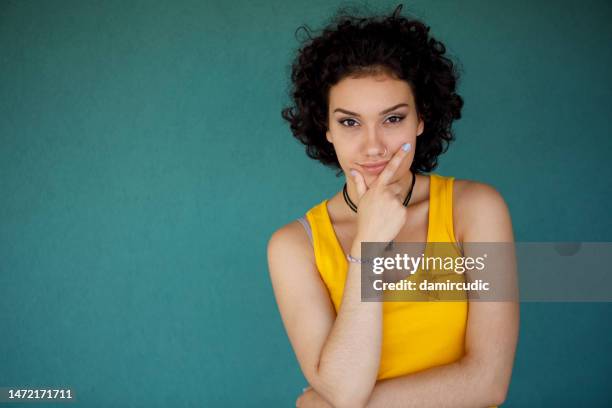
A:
[369,179]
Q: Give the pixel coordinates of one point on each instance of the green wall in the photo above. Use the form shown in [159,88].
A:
[144,165]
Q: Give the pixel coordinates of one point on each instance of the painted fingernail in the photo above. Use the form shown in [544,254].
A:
[353,173]
[406,147]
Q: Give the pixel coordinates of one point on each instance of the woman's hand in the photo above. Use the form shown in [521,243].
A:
[381,214]
[311,399]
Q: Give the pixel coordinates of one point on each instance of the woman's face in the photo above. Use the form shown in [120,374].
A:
[370,118]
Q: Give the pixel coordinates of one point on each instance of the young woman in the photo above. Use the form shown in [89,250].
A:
[375,98]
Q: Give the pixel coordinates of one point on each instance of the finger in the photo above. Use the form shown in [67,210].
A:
[359,183]
[395,188]
[394,164]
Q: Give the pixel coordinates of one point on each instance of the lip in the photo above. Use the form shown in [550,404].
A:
[374,168]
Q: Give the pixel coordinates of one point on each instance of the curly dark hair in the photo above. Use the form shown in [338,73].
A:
[356,46]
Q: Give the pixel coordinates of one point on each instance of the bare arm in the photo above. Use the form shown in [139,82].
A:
[339,355]
[351,355]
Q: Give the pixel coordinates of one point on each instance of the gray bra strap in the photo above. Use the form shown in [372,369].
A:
[306,226]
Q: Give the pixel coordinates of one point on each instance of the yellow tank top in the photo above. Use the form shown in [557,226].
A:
[416,334]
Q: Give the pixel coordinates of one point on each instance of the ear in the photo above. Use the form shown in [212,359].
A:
[329,137]
[420,127]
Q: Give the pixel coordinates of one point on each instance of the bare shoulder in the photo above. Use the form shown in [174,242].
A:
[480,213]
[470,193]
[290,240]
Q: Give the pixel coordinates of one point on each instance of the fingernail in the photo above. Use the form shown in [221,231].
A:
[353,173]
[406,147]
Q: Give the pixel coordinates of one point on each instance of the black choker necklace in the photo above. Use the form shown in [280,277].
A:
[353,207]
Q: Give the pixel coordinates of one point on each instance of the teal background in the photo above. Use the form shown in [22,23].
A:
[144,165]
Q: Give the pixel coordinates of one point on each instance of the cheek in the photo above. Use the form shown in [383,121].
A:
[345,146]
[347,155]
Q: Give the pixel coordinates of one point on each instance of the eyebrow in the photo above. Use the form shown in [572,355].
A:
[399,105]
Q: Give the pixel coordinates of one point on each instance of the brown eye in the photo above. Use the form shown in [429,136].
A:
[397,118]
[348,122]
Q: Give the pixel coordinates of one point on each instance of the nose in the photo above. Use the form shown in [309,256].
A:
[374,145]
